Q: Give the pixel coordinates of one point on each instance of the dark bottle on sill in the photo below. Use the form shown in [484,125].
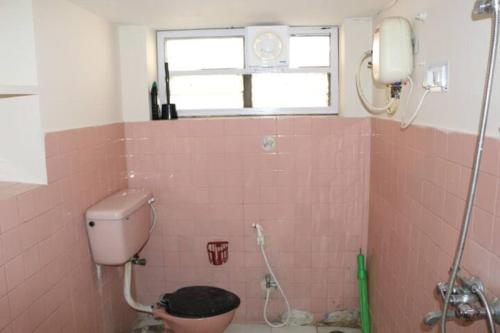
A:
[155,107]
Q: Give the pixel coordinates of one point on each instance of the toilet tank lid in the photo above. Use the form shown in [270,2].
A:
[119,205]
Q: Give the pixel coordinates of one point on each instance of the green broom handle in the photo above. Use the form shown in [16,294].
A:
[364,309]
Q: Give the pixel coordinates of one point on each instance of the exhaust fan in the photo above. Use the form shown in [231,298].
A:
[267,47]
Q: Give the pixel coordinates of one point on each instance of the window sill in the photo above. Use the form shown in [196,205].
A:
[7,91]
[256,112]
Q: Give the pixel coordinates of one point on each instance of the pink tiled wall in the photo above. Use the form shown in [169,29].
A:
[419,181]
[212,180]
[47,279]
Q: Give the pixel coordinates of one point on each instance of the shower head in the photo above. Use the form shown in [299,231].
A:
[260,233]
[482,7]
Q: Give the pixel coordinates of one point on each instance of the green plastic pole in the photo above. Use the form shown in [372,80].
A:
[364,309]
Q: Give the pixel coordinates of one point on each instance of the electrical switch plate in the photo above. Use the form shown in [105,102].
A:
[436,78]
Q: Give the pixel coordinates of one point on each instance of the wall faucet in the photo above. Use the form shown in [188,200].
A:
[484,6]
[469,300]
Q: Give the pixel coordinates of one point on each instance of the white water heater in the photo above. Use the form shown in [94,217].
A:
[392,51]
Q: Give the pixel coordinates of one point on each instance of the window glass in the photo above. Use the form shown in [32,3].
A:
[207,91]
[204,53]
[309,51]
[275,90]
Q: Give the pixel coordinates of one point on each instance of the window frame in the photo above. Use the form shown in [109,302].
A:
[332,70]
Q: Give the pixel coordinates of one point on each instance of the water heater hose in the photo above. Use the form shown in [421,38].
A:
[388,108]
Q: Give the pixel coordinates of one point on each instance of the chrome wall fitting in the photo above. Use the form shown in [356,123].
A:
[469,301]
[484,7]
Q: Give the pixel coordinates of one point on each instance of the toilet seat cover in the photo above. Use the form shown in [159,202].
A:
[199,302]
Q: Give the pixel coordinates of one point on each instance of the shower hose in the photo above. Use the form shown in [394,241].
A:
[260,243]
[475,174]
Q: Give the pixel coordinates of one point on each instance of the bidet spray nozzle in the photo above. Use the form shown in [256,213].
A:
[260,233]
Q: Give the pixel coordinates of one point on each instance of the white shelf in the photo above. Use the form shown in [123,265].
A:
[13,90]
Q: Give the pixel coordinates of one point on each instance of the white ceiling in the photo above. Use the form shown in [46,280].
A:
[189,14]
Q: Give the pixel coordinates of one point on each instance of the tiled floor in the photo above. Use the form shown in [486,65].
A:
[237,328]
[155,326]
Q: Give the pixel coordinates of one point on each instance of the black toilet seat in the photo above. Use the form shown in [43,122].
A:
[199,302]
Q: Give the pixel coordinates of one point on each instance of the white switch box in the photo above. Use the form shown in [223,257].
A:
[436,78]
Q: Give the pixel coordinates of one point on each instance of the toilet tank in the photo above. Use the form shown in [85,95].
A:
[118,226]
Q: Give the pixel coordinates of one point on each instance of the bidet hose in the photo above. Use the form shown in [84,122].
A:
[371,108]
[151,203]
[268,294]
[475,171]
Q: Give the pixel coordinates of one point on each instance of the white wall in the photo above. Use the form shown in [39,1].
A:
[18,65]
[355,40]
[450,34]
[138,67]
[22,151]
[137,71]
[78,73]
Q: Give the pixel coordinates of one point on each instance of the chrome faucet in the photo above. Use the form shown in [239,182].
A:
[485,7]
[468,299]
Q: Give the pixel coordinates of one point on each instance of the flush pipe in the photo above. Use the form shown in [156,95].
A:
[260,243]
[491,6]
[127,291]
[127,284]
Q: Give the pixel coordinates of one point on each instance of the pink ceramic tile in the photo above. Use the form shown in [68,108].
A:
[26,205]
[11,244]
[393,257]
[268,125]
[31,261]
[302,125]
[18,240]
[5,316]
[285,125]
[15,272]
[241,184]
[241,126]
[482,227]
[491,156]
[30,233]
[9,218]
[496,237]
[440,143]
[486,192]
[3,281]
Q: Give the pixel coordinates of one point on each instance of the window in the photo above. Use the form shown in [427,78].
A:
[208,76]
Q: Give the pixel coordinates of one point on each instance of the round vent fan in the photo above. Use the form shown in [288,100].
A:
[268,46]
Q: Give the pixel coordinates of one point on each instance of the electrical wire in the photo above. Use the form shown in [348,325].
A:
[387,6]
[417,111]
[410,92]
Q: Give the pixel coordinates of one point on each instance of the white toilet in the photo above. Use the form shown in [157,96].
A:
[118,228]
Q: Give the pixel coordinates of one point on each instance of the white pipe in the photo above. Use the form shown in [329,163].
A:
[151,203]
[260,242]
[388,108]
[127,292]
[98,272]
